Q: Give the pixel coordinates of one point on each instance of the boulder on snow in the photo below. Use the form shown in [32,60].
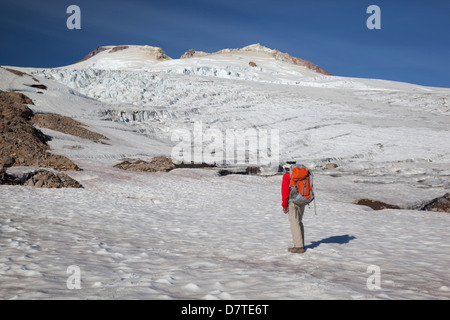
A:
[47,179]
[160,163]
[375,204]
[440,204]
[6,179]
[330,166]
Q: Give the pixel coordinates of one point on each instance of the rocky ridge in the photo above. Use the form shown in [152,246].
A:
[275,53]
[24,145]
[156,54]
[20,140]
[153,52]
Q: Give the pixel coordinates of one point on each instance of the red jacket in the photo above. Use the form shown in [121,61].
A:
[285,190]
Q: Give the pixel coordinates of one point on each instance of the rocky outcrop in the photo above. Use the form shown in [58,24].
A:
[118,48]
[66,125]
[375,204]
[46,179]
[239,170]
[41,178]
[93,53]
[330,166]
[20,73]
[191,53]
[6,178]
[160,163]
[155,52]
[6,162]
[275,53]
[440,204]
[294,60]
[20,140]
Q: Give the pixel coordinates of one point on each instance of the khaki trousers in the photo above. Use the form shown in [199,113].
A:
[295,214]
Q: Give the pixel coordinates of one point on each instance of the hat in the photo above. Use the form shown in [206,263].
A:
[288,164]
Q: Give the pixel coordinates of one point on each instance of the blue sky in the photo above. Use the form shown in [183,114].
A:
[413,44]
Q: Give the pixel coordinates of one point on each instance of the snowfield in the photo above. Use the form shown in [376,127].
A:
[192,234]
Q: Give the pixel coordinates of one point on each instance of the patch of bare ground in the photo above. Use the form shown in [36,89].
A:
[118,48]
[20,73]
[440,204]
[159,163]
[47,179]
[20,140]
[375,204]
[66,125]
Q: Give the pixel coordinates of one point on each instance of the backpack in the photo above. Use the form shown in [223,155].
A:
[301,185]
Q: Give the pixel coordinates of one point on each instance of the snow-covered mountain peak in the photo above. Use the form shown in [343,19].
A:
[257,48]
[183,234]
[136,57]
[121,57]
[258,51]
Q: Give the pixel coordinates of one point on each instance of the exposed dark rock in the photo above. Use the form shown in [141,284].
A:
[160,163]
[375,205]
[253,170]
[6,162]
[191,53]
[440,204]
[20,73]
[118,48]
[20,140]
[278,55]
[47,179]
[188,54]
[17,98]
[93,53]
[39,86]
[6,179]
[194,165]
[240,170]
[66,125]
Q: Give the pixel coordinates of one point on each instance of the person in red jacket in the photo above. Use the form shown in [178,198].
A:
[294,212]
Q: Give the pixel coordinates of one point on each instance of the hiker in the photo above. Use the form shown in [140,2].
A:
[294,212]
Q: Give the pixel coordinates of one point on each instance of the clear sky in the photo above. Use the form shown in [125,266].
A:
[413,44]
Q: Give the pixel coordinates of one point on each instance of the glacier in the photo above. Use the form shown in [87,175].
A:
[193,234]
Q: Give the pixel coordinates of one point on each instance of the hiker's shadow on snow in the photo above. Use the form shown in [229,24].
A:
[334,239]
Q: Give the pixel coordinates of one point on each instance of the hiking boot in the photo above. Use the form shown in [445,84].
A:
[296,250]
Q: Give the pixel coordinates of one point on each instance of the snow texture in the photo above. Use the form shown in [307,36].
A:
[192,234]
